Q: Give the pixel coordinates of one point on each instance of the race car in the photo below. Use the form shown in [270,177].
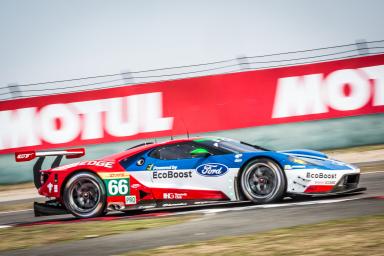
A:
[191,171]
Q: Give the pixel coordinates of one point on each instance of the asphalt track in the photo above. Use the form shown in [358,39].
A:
[224,220]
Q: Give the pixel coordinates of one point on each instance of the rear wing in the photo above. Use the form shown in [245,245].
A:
[30,155]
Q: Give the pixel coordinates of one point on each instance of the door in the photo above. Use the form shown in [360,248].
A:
[180,174]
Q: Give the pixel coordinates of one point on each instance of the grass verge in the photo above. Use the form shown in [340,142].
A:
[354,236]
[38,235]
[15,206]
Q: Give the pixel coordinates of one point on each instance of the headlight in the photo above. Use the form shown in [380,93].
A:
[298,160]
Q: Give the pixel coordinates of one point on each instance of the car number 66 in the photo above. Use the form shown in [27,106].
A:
[118,187]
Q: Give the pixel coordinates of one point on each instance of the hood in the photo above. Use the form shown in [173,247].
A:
[303,158]
[305,153]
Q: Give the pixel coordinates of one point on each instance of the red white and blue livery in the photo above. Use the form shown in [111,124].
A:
[185,172]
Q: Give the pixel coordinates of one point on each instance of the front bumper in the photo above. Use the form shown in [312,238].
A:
[332,193]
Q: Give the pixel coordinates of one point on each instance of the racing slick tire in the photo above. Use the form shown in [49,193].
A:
[263,181]
[85,195]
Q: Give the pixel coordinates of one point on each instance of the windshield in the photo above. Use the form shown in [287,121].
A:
[231,146]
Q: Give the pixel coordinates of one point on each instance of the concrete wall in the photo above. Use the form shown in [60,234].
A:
[323,134]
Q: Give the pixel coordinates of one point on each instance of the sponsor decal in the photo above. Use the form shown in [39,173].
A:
[50,186]
[106,164]
[149,167]
[173,204]
[170,167]
[117,183]
[203,202]
[325,182]
[55,188]
[238,158]
[321,175]
[130,199]
[25,156]
[174,195]
[113,175]
[117,187]
[171,174]
[212,170]
[135,186]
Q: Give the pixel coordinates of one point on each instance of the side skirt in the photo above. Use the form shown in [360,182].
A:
[48,208]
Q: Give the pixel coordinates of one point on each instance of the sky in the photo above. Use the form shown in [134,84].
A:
[45,40]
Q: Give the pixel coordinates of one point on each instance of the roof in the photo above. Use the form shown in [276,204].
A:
[135,150]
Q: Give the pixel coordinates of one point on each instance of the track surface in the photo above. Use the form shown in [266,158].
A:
[231,219]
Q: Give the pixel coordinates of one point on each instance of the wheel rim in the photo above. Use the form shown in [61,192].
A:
[261,180]
[84,195]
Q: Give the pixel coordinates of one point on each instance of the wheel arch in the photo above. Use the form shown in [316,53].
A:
[238,185]
[86,170]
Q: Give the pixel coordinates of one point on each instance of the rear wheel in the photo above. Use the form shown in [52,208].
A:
[85,196]
[263,181]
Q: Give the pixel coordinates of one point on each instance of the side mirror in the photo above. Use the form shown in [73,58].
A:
[200,152]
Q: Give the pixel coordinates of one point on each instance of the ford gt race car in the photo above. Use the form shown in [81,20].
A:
[184,172]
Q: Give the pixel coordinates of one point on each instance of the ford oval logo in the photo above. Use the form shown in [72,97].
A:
[213,170]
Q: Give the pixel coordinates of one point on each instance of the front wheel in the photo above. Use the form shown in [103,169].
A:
[263,181]
[85,196]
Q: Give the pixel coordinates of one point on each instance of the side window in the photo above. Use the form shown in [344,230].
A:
[173,152]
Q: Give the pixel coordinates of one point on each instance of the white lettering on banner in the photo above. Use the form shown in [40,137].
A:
[69,123]
[359,90]
[63,123]
[299,95]
[91,113]
[313,94]
[18,128]
[121,124]
[377,74]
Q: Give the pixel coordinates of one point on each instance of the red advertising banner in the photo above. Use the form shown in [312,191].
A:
[220,102]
